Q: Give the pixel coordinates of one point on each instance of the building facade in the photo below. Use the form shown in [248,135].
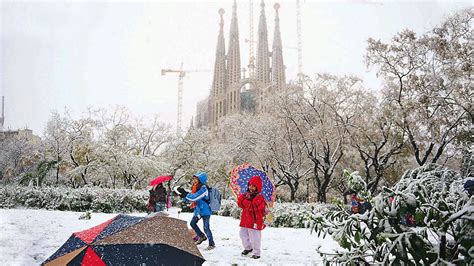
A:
[228,94]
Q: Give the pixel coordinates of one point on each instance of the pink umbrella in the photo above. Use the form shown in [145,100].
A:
[160,179]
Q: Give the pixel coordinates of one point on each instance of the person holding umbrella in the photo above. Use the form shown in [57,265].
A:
[158,199]
[255,194]
[199,198]
[251,220]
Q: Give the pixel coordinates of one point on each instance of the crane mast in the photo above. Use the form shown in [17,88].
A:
[181,74]
[299,40]
[251,65]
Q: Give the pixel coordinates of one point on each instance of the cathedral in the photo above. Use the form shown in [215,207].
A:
[232,91]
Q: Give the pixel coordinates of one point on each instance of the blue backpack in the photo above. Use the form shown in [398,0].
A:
[214,199]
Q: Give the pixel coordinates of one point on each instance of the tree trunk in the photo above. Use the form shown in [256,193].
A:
[322,196]
[83,176]
[307,191]
[443,243]
[57,171]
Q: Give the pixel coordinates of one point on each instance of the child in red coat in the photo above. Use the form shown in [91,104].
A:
[251,220]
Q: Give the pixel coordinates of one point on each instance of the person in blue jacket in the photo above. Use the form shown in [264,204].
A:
[199,198]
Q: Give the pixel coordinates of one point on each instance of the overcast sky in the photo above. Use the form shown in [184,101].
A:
[79,54]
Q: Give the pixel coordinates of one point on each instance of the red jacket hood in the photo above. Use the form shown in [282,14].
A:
[256,181]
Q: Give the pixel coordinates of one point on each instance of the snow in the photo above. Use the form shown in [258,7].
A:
[29,236]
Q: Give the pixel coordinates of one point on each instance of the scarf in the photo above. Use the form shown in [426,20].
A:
[252,194]
[195,189]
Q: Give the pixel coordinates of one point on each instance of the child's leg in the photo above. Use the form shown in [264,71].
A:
[256,239]
[196,227]
[160,206]
[244,236]
[207,229]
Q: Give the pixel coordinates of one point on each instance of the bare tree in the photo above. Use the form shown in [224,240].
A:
[375,137]
[152,136]
[428,82]
[318,113]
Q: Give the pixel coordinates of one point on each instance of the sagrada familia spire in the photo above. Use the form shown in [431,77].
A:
[278,69]
[227,94]
[263,54]
[233,65]
[217,98]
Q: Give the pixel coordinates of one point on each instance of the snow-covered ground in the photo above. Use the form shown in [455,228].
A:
[28,237]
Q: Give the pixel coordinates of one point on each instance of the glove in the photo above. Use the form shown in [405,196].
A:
[182,192]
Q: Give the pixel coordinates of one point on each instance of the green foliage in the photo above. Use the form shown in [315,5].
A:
[37,177]
[443,215]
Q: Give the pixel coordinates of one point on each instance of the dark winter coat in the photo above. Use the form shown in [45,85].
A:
[253,207]
[160,194]
[157,194]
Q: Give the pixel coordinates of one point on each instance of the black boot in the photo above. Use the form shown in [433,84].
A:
[246,252]
[201,239]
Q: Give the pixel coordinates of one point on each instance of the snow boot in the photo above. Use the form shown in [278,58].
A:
[255,257]
[210,247]
[246,252]
[201,239]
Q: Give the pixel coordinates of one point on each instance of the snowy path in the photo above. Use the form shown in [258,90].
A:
[28,237]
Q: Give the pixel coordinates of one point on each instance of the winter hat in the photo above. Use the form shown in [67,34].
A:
[469,186]
[256,181]
[202,176]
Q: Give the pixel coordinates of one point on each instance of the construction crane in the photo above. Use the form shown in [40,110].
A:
[181,74]
[299,41]
[2,119]
[287,47]
[251,65]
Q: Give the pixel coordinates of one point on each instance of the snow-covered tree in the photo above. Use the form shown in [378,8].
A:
[374,135]
[56,143]
[319,114]
[19,155]
[81,147]
[429,85]
[125,148]
[282,147]
[197,150]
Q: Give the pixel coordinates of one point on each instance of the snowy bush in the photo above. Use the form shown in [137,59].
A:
[67,199]
[295,215]
[357,184]
[443,215]
[230,208]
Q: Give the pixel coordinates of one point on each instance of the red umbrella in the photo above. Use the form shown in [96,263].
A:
[160,179]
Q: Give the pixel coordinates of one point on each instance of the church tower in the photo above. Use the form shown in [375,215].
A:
[278,68]
[233,65]
[262,76]
[219,83]
[226,96]
[263,59]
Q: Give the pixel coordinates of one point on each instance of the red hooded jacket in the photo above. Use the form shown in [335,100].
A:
[253,209]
